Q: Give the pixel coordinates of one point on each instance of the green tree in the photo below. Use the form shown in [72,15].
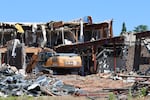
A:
[140,28]
[124,29]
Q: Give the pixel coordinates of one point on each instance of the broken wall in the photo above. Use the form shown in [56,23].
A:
[111,60]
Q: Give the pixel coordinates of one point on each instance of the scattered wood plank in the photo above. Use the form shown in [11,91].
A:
[137,76]
[144,83]
[46,91]
[116,89]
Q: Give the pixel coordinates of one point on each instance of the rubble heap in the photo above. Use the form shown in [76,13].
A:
[12,84]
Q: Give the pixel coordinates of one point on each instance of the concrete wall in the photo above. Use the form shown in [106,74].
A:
[129,38]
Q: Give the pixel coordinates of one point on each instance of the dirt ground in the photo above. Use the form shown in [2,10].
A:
[93,86]
[93,83]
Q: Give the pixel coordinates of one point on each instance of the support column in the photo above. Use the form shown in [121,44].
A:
[62,31]
[94,57]
[83,64]
[115,58]
[137,54]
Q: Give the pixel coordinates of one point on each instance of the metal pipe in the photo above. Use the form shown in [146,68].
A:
[62,30]
[44,36]
[81,31]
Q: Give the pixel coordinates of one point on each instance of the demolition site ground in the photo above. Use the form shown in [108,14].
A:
[79,60]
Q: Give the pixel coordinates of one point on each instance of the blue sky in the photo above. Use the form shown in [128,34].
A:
[132,12]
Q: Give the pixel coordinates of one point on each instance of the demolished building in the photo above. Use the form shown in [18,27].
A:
[94,42]
[22,44]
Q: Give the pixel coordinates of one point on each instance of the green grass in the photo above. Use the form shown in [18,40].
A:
[143,92]
[17,98]
[44,98]
[130,95]
[112,96]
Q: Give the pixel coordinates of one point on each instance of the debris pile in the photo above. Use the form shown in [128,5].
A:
[101,85]
[12,84]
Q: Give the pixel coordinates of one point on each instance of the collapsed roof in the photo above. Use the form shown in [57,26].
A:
[55,33]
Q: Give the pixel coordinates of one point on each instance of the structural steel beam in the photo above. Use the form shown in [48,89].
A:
[98,43]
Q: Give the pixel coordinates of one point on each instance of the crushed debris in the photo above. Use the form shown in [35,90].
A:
[13,84]
[92,86]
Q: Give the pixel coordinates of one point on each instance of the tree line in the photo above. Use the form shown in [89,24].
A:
[139,28]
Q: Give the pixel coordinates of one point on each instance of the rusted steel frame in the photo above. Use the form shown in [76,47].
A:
[98,43]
